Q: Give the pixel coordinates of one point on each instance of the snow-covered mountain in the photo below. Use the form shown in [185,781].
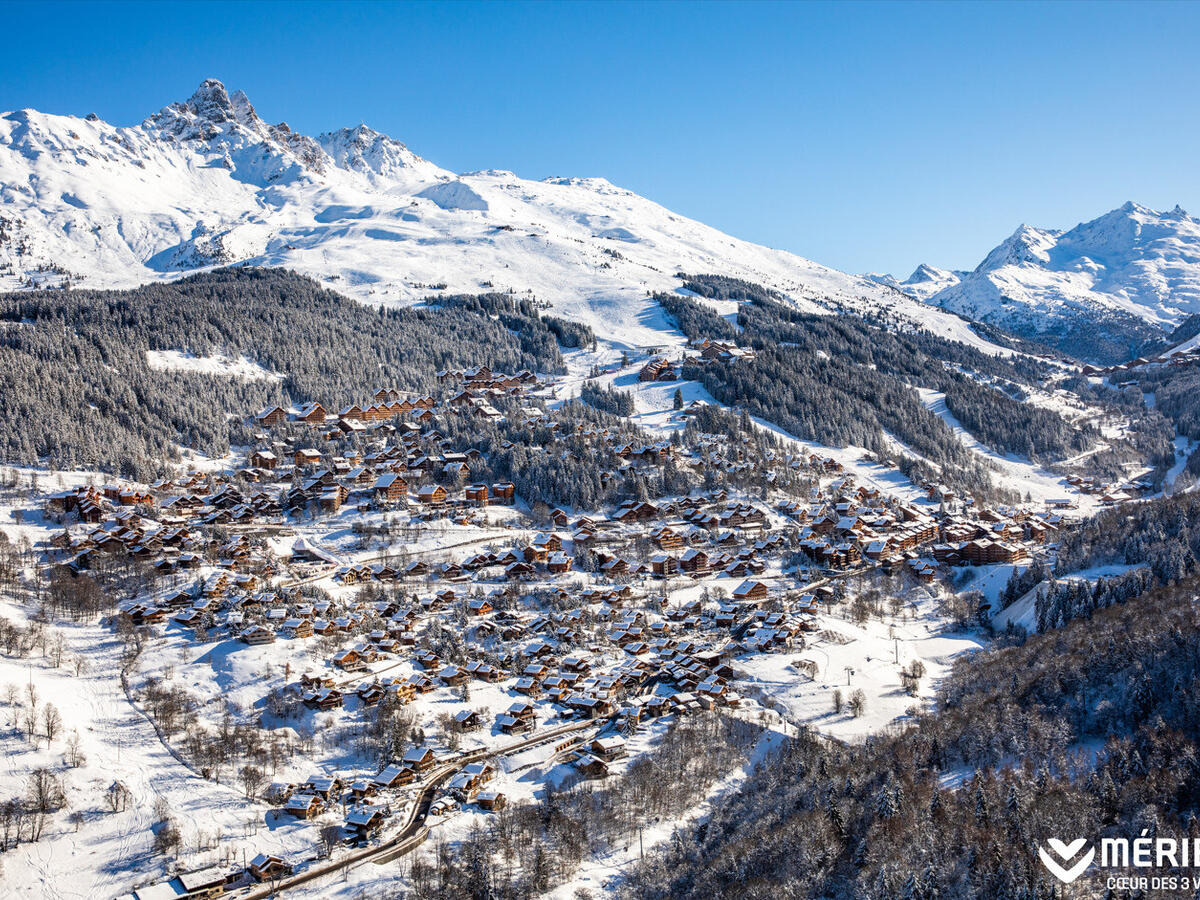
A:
[1099,290]
[207,182]
[923,283]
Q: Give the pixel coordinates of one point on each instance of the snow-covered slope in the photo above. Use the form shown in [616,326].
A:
[1105,285]
[208,182]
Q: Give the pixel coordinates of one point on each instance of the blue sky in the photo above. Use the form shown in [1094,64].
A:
[864,136]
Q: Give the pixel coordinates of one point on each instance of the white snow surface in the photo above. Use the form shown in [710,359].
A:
[182,361]
[207,182]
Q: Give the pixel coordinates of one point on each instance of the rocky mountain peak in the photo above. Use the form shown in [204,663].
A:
[212,102]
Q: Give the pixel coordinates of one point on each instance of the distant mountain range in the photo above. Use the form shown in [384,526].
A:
[1101,290]
[207,182]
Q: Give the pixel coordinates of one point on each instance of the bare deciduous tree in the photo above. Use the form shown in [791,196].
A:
[252,779]
[51,721]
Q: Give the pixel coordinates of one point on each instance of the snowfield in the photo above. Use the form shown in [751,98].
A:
[180,361]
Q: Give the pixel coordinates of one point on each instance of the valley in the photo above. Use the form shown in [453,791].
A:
[368,529]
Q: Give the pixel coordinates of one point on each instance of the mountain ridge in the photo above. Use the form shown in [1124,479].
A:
[207,182]
[1101,290]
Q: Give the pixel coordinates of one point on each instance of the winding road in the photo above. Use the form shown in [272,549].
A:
[414,831]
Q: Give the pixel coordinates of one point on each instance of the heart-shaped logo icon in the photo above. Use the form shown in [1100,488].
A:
[1065,853]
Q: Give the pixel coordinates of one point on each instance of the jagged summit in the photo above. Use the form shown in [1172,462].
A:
[927,274]
[925,281]
[212,102]
[1023,245]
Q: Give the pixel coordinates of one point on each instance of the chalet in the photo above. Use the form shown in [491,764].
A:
[453,572]
[590,766]
[657,369]
[324,787]
[522,710]
[264,459]
[313,413]
[146,615]
[366,820]
[476,494]
[576,663]
[394,776]
[535,554]
[453,676]
[306,457]
[633,511]
[719,351]
[491,800]
[323,699]
[512,725]
[607,749]
[271,416]
[504,492]
[614,566]
[528,686]
[421,684]
[419,759]
[432,495]
[370,693]
[204,883]
[190,618]
[303,806]
[588,706]
[309,680]
[923,569]
[485,672]
[207,882]
[257,634]
[268,867]
[664,565]
[297,628]
[390,488]
[349,659]
[467,719]
[667,540]
[694,561]
[750,591]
